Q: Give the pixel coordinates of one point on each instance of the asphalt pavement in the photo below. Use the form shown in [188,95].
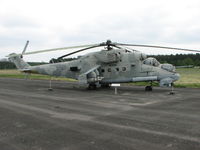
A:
[73,118]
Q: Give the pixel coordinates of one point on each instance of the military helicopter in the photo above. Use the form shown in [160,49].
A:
[115,63]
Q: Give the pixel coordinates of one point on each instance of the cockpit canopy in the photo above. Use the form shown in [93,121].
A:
[151,61]
[168,67]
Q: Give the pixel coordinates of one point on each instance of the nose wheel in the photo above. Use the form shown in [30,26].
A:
[105,85]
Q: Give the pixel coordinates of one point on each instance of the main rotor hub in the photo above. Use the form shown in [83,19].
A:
[109,44]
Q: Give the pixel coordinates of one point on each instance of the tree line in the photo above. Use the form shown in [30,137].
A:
[179,59]
[176,60]
[10,65]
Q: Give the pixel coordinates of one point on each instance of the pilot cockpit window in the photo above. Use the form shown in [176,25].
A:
[151,61]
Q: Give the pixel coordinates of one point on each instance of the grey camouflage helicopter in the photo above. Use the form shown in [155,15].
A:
[115,63]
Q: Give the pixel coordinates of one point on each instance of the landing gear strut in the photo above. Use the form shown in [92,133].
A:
[172,89]
[50,87]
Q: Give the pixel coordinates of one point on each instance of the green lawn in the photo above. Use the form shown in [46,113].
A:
[190,77]
[18,74]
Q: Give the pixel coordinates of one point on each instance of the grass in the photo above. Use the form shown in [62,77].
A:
[190,77]
[17,74]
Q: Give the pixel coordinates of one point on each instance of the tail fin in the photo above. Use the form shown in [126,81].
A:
[18,61]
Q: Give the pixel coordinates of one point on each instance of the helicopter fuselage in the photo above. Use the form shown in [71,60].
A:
[113,66]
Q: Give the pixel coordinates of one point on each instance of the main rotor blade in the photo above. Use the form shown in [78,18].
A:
[79,51]
[155,46]
[25,48]
[127,48]
[58,49]
[97,45]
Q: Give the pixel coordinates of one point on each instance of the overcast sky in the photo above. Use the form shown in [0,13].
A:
[60,23]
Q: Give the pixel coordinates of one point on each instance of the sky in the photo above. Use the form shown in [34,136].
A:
[60,23]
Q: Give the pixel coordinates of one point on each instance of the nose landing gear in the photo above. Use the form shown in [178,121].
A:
[172,89]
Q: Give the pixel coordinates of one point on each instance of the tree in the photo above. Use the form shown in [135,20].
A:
[188,61]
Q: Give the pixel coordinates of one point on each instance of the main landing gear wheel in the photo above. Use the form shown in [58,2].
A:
[105,85]
[92,87]
[148,88]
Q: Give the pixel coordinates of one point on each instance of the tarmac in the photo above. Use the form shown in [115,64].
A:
[73,118]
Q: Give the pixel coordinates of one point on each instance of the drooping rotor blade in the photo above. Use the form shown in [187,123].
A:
[25,48]
[79,51]
[107,43]
[155,46]
[126,48]
[117,46]
[57,49]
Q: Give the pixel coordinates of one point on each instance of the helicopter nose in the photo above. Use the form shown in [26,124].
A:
[176,76]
